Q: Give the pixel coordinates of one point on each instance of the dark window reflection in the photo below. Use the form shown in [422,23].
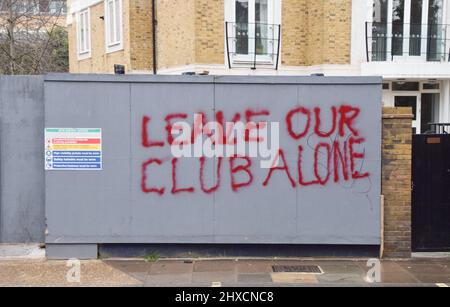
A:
[398,21]
[242,26]
[435,34]
[379,30]
[415,35]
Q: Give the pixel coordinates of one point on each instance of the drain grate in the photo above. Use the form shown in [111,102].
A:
[308,269]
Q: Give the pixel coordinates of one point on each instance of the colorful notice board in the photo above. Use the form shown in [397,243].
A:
[73,149]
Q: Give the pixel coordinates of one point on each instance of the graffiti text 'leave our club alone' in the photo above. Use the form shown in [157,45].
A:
[336,156]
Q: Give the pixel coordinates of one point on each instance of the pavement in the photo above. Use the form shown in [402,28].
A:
[31,270]
[260,273]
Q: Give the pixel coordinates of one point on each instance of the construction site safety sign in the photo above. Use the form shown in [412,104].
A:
[73,149]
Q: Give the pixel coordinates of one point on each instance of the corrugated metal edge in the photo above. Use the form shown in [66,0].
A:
[309,80]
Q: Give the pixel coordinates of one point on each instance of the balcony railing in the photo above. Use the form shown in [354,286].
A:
[388,41]
[252,44]
[438,128]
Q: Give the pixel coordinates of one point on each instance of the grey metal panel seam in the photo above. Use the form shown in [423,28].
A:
[300,80]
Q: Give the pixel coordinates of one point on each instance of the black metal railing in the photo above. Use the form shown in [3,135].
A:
[384,41]
[438,128]
[252,44]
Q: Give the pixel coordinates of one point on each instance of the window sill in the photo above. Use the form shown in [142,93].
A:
[84,56]
[114,48]
[243,61]
[253,62]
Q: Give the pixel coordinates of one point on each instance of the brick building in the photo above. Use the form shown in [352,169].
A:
[217,36]
[405,41]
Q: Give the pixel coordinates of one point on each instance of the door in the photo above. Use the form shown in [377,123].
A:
[413,101]
[431,193]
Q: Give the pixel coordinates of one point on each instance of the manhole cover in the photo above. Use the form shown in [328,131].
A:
[309,269]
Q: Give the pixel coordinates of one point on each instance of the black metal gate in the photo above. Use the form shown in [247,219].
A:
[431,193]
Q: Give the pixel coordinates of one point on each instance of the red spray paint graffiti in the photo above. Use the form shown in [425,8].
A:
[337,155]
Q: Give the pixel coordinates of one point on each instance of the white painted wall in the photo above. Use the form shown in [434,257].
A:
[414,70]
[444,108]
[361,13]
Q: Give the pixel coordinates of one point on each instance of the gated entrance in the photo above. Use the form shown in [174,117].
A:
[431,192]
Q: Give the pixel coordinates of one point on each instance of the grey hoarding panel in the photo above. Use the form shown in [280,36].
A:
[117,205]
[22,206]
[71,251]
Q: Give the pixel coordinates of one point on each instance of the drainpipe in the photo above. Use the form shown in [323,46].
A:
[154,24]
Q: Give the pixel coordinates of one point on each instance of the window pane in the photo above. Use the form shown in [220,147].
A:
[435,12]
[81,31]
[86,27]
[435,34]
[398,21]
[380,8]
[379,30]
[117,21]
[415,33]
[262,28]
[111,21]
[405,86]
[242,26]
[431,86]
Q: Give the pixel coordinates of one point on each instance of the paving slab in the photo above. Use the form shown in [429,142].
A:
[256,278]
[215,266]
[137,269]
[393,273]
[335,268]
[441,255]
[258,266]
[54,273]
[171,267]
[433,278]
[342,278]
[430,268]
[207,278]
[294,278]
[168,280]
[130,266]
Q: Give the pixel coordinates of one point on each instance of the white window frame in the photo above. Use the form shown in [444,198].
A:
[418,94]
[274,17]
[406,30]
[113,44]
[84,52]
